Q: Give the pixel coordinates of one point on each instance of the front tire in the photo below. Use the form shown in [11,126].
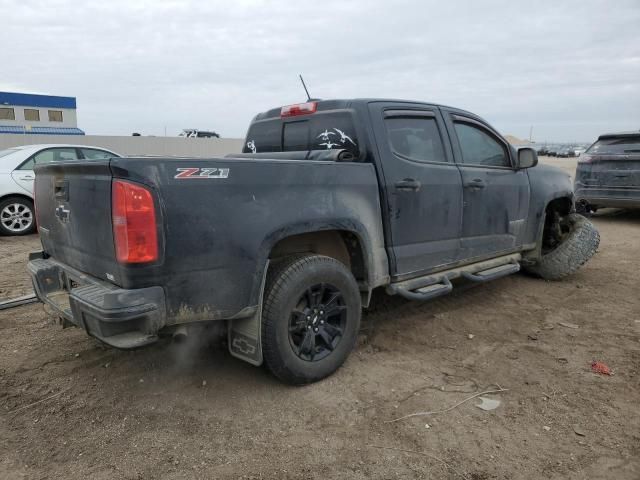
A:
[311,317]
[573,247]
[17,216]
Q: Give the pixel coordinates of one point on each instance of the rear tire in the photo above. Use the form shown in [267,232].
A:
[311,317]
[578,245]
[17,216]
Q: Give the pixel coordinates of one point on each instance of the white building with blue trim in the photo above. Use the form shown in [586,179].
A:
[28,114]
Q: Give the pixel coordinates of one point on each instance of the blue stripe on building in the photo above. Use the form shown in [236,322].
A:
[33,100]
[40,130]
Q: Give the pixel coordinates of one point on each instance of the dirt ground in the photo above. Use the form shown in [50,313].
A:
[72,409]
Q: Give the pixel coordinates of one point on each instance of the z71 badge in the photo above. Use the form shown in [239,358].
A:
[194,172]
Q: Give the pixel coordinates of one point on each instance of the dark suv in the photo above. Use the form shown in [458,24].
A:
[608,173]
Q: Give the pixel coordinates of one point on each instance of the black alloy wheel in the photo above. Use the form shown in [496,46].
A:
[317,323]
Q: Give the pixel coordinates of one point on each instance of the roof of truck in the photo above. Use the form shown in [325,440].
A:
[337,104]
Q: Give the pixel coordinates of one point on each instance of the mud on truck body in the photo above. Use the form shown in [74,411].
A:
[284,242]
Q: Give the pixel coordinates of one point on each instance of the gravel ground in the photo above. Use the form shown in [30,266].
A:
[70,408]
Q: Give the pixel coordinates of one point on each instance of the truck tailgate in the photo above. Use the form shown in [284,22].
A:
[73,212]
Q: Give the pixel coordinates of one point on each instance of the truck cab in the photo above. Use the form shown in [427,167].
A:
[450,183]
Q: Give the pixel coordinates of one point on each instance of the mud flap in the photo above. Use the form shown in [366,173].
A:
[245,334]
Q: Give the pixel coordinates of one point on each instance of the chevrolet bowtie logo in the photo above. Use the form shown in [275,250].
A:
[62,214]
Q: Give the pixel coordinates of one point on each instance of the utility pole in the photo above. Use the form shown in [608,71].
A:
[530,133]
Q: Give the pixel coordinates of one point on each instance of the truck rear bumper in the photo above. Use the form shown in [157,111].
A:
[120,318]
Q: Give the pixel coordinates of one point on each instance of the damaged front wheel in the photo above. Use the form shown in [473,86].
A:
[568,243]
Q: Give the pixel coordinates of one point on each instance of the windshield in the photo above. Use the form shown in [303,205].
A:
[616,146]
[8,151]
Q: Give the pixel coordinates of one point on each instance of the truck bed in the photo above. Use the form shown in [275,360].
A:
[217,218]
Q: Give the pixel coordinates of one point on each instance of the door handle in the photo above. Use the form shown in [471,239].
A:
[26,177]
[475,183]
[408,184]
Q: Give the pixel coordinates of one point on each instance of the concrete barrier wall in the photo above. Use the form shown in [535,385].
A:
[131,146]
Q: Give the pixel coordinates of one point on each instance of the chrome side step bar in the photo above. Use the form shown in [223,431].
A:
[427,292]
[493,273]
[437,284]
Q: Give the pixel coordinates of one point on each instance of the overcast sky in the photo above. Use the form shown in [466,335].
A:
[569,69]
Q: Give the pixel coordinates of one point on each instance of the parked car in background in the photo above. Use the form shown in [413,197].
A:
[543,150]
[552,150]
[16,180]
[195,133]
[578,151]
[565,152]
[608,173]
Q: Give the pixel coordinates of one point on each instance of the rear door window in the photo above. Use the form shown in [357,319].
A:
[50,155]
[94,154]
[616,146]
[415,138]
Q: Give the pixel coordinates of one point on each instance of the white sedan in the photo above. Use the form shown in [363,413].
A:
[17,176]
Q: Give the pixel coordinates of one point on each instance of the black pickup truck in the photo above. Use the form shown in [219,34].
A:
[283,244]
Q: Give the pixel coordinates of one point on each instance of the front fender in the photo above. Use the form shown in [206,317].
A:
[548,184]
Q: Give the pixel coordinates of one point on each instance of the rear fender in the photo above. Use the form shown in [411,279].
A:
[244,334]
[371,264]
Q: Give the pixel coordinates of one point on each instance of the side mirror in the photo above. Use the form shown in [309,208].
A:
[527,157]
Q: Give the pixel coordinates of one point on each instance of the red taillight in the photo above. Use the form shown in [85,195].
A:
[299,109]
[134,223]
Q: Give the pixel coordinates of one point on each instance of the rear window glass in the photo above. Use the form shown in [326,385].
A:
[616,146]
[313,132]
[296,136]
[264,136]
